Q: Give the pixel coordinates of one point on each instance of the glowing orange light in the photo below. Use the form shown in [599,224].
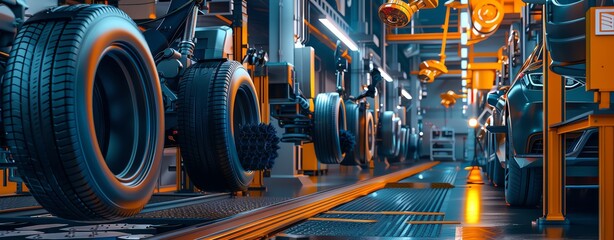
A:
[472,205]
[475,176]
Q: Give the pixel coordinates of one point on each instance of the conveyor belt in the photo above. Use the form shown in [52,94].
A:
[265,221]
[182,213]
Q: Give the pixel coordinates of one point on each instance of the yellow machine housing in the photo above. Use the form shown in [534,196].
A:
[431,69]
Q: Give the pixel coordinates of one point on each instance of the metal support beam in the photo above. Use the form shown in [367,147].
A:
[606,182]
[423,37]
[239,29]
[554,159]
[605,125]
[281,50]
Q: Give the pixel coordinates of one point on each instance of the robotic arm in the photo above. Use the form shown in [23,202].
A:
[376,78]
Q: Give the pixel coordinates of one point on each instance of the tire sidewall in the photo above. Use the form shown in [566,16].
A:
[101,35]
[240,79]
[388,135]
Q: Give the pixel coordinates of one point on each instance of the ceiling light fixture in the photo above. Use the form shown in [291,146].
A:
[344,38]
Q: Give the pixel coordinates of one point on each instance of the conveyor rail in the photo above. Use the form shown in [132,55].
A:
[265,221]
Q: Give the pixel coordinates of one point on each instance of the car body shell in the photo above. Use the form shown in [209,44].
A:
[520,109]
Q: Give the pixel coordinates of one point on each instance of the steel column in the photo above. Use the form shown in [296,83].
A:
[554,159]
[606,182]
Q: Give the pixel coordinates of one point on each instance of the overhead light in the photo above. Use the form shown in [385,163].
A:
[473,122]
[464,74]
[464,83]
[385,75]
[345,39]
[463,64]
[405,94]
[464,18]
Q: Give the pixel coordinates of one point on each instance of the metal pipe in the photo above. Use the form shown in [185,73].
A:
[186,46]
[446,23]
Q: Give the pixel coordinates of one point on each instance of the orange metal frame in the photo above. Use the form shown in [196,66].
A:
[599,67]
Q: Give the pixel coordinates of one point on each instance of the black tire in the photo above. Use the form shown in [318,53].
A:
[329,119]
[413,147]
[387,134]
[523,186]
[83,112]
[498,174]
[366,137]
[215,98]
[402,142]
[407,142]
[398,136]
[352,111]
[489,169]
[2,66]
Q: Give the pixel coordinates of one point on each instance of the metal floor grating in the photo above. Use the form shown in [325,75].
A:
[389,199]
[439,174]
[214,209]
[12,202]
[17,202]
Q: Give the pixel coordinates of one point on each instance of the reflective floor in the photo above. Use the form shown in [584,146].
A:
[472,211]
[336,176]
[484,214]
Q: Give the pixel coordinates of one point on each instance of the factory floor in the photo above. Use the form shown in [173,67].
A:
[432,204]
[469,211]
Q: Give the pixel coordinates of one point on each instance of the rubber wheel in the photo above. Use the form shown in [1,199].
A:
[412,153]
[329,119]
[2,66]
[387,134]
[352,111]
[498,174]
[523,186]
[215,99]
[398,137]
[489,169]
[366,139]
[82,107]
[405,149]
[402,147]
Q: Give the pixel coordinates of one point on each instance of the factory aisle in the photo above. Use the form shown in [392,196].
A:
[438,203]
